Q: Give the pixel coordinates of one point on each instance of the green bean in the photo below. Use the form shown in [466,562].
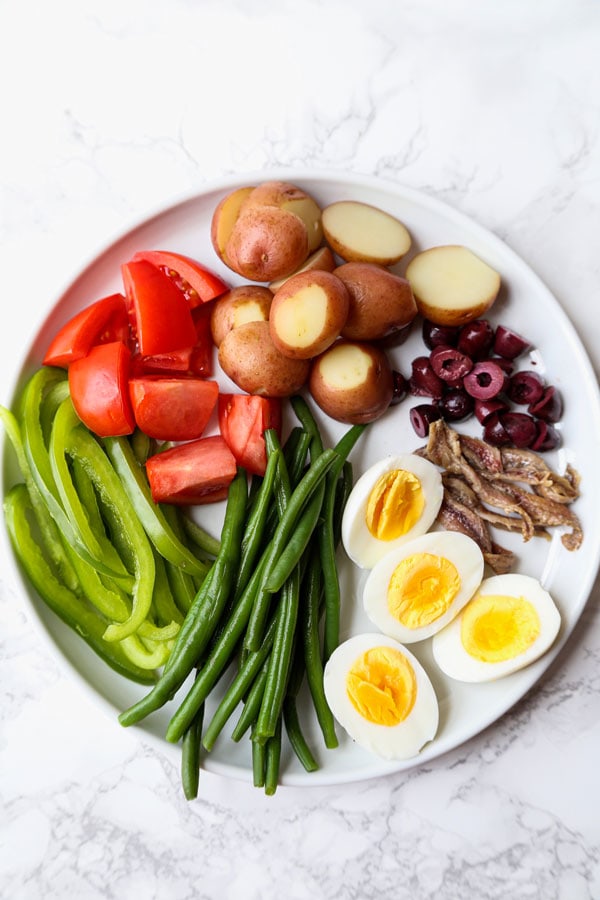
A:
[254,530]
[308,421]
[252,703]
[280,659]
[272,760]
[190,756]
[216,661]
[295,735]
[243,680]
[202,619]
[258,764]
[343,489]
[311,595]
[300,496]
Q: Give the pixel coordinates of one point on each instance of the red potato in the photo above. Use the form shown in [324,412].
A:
[246,303]
[452,285]
[249,357]
[308,313]
[292,199]
[381,303]
[266,243]
[359,232]
[322,259]
[224,218]
[352,382]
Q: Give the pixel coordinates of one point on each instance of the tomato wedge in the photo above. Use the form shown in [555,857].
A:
[198,283]
[101,322]
[192,473]
[99,386]
[160,313]
[172,409]
[243,419]
[196,360]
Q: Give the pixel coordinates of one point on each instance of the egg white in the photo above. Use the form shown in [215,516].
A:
[364,548]
[451,656]
[401,741]
[459,549]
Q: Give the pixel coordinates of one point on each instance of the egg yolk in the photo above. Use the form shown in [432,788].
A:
[421,589]
[495,628]
[395,504]
[382,686]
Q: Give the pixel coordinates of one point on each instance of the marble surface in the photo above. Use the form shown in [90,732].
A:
[111,110]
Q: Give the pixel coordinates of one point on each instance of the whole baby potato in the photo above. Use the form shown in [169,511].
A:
[250,358]
[307,314]
[381,303]
[266,243]
[352,382]
[246,303]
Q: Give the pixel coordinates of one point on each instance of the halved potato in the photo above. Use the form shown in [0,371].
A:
[308,313]
[246,303]
[359,232]
[451,284]
[252,361]
[267,242]
[321,259]
[224,218]
[352,382]
[381,303]
[293,199]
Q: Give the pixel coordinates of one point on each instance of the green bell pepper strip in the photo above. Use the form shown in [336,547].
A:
[50,534]
[203,616]
[80,444]
[97,542]
[73,610]
[38,461]
[150,514]
[204,541]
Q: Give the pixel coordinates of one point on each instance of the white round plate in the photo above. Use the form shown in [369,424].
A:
[526,306]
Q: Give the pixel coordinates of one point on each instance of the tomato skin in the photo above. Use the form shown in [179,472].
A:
[243,419]
[99,386]
[172,409]
[196,472]
[161,315]
[199,283]
[101,322]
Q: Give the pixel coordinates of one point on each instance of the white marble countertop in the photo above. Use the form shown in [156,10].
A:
[110,110]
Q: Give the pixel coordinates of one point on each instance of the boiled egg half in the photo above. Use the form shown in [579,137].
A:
[395,500]
[510,622]
[380,693]
[416,589]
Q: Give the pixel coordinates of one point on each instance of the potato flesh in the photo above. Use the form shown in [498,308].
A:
[452,277]
[307,210]
[228,213]
[358,231]
[322,260]
[302,319]
[345,367]
[248,311]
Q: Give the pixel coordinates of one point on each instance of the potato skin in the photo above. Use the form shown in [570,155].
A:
[249,357]
[266,243]
[381,303]
[335,308]
[226,307]
[359,404]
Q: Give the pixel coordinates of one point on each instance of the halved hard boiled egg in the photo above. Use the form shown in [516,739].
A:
[416,589]
[395,500]
[380,693]
[509,622]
